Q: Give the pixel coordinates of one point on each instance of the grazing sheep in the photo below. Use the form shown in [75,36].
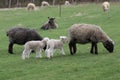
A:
[44,3]
[30,6]
[88,33]
[20,36]
[34,45]
[53,44]
[67,3]
[105,6]
[50,24]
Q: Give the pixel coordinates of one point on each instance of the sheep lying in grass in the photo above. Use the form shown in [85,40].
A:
[51,24]
[88,33]
[30,6]
[34,45]
[67,3]
[45,3]
[53,44]
[19,35]
[106,6]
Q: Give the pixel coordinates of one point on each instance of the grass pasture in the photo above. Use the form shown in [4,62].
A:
[81,66]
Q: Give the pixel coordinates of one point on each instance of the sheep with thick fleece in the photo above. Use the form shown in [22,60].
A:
[106,6]
[88,33]
[53,44]
[67,3]
[34,45]
[30,6]
[20,35]
[45,3]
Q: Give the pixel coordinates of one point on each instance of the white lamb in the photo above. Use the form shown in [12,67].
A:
[34,45]
[67,3]
[30,6]
[44,3]
[53,44]
[106,6]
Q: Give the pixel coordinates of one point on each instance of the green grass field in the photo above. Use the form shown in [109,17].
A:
[81,66]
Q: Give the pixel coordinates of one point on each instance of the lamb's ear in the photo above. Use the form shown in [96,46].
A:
[48,17]
[53,18]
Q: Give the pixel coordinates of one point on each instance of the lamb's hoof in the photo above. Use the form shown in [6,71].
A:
[38,57]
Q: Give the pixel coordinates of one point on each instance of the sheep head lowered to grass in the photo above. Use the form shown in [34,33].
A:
[51,24]
[88,33]
[31,6]
[19,35]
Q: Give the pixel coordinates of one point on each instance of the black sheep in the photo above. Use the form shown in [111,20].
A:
[20,36]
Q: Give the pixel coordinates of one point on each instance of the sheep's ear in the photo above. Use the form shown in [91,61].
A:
[48,17]
[53,18]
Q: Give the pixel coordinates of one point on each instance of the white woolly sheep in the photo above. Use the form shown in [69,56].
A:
[30,6]
[20,35]
[53,44]
[67,3]
[45,3]
[34,45]
[88,33]
[106,6]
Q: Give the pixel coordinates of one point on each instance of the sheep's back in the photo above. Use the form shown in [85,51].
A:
[54,43]
[22,35]
[84,33]
[34,44]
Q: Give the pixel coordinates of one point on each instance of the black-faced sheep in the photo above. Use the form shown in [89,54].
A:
[106,6]
[20,36]
[50,24]
[88,33]
[34,45]
[53,44]
[30,6]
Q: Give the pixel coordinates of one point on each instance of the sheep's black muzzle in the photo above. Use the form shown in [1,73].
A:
[109,45]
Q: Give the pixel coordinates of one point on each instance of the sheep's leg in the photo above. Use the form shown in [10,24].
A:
[92,47]
[74,47]
[71,47]
[62,51]
[52,52]
[10,49]
[38,53]
[26,54]
[23,55]
[48,53]
[96,48]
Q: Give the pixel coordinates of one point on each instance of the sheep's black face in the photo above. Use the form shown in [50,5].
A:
[109,45]
[51,20]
